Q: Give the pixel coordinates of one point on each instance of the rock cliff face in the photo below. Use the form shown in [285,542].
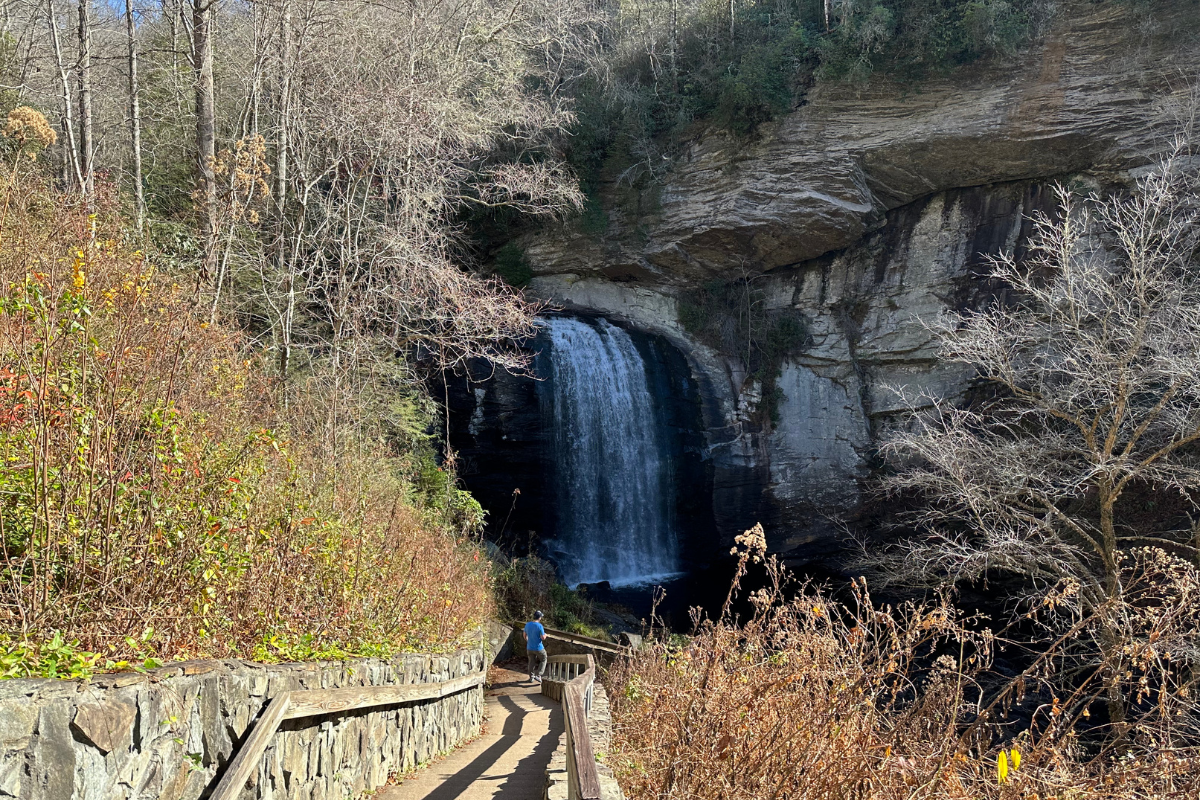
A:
[1092,96]
[867,210]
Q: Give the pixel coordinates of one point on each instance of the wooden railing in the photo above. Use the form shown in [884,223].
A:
[585,641]
[569,680]
[290,705]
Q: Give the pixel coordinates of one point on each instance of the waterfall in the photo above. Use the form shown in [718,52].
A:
[612,473]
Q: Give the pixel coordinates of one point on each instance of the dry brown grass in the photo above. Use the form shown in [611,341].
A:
[810,698]
[152,483]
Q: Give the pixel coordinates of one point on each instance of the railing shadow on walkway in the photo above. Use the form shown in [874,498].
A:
[538,743]
[513,730]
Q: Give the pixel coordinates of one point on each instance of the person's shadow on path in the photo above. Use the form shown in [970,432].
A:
[528,773]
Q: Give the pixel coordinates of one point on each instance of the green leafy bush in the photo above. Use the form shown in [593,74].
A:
[52,658]
[529,584]
[761,85]
[912,39]
[594,219]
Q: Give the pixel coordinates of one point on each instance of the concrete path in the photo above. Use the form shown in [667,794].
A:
[508,762]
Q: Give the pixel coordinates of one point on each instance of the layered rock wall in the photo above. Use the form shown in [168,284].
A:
[870,210]
[168,734]
[1094,94]
[868,353]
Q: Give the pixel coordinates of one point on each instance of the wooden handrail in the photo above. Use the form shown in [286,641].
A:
[576,674]
[586,641]
[291,705]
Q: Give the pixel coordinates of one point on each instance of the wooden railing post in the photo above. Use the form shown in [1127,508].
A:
[573,686]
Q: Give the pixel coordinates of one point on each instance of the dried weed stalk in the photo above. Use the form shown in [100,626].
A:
[812,698]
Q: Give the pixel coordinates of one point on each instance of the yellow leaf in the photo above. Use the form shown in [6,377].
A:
[1016,759]
[1001,767]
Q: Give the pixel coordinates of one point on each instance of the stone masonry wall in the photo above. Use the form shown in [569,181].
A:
[167,734]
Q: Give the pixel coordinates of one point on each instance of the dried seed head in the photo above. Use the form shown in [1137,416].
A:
[28,126]
[755,542]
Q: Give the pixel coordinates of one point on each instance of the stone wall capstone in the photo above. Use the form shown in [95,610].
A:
[167,734]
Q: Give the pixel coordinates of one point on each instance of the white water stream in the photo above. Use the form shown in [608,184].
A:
[612,471]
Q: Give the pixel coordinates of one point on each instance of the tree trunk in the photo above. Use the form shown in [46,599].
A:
[135,116]
[281,177]
[206,130]
[1108,540]
[71,153]
[87,149]
[1111,641]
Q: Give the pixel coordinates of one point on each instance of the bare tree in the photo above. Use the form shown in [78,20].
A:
[390,119]
[1094,373]
[71,154]
[383,122]
[206,129]
[87,145]
[283,264]
[135,115]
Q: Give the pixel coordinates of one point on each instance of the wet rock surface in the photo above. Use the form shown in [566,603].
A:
[865,310]
[503,439]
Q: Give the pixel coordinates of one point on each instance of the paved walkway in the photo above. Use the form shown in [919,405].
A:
[508,762]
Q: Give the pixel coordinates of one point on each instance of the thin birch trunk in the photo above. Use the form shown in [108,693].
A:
[206,129]
[87,148]
[68,118]
[135,116]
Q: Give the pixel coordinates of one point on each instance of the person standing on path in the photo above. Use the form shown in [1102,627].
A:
[535,648]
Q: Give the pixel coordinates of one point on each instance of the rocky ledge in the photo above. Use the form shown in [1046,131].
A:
[867,210]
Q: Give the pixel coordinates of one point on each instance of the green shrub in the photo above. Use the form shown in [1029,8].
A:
[529,584]
[594,219]
[760,84]
[912,39]
[850,51]
[55,657]
[158,483]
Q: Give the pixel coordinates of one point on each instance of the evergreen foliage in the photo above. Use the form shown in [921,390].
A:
[512,266]
[671,66]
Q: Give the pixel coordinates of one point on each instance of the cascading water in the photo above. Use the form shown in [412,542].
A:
[612,478]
